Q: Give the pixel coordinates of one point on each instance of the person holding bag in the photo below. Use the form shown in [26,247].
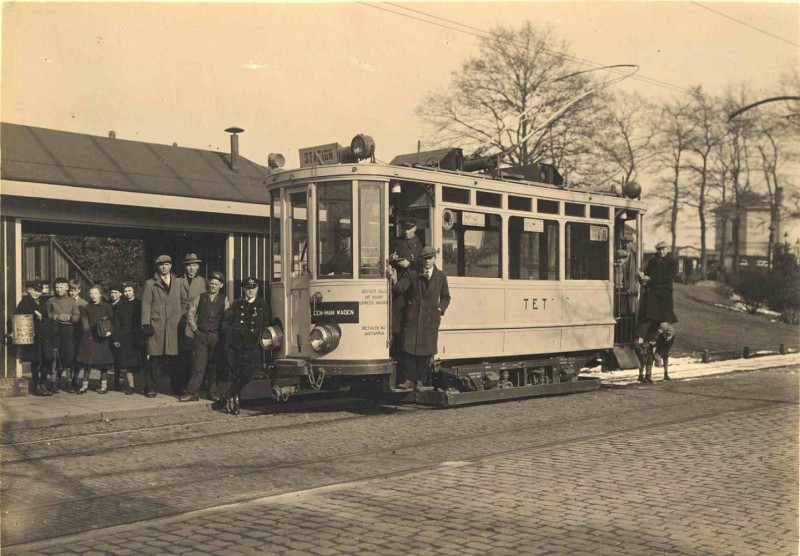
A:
[95,351]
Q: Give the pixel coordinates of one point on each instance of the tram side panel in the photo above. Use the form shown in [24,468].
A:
[526,319]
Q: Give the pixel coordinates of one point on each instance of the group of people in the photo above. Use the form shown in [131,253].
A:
[420,297]
[183,324]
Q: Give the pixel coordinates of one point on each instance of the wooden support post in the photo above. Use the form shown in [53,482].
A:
[706,357]
[745,352]
[782,349]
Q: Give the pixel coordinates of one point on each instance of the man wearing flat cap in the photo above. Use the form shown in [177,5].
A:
[161,314]
[242,325]
[404,257]
[656,305]
[204,321]
[428,299]
[192,285]
[40,352]
[64,315]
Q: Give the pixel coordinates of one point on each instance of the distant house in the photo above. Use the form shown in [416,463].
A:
[754,230]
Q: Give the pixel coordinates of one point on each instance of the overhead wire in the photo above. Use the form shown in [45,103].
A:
[740,22]
[473,31]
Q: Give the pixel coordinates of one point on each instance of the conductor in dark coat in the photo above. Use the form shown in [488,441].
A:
[657,304]
[428,299]
[404,258]
[40,352]
[242,325]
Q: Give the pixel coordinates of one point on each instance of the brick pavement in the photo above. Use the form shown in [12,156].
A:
[725,484]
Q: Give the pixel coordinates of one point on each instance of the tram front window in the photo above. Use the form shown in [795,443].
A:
[299,231]
[335,229]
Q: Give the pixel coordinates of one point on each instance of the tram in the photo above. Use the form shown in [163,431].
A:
[530,267]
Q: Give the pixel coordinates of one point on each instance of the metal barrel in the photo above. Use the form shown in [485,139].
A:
[23,329]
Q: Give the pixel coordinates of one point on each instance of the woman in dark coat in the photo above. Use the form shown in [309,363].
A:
[127,334]
[95,351]
[40,352]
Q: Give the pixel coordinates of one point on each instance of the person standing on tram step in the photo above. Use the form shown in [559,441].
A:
[114,299]
[242,325]
[404,257]
[64,315]
[161,314]
[95,352]
[204,320]
[40,352]
[75,293]
[128,335]
[192,285]
[429,297]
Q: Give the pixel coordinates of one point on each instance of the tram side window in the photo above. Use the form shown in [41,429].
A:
[587,251]
[275,235]
[532,249]
[335,229]
[371,229]
[299,210]
[472,246]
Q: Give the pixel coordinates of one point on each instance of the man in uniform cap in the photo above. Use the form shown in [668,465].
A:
[242,325]
[161,314]
[192,285]
[404,256]
[342,260]
[204,321]
[429,297]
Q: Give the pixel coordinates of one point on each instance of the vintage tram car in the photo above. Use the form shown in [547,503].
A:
[530,267]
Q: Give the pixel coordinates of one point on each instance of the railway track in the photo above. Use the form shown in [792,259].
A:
[329,468]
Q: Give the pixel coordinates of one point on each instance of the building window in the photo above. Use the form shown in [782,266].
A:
[472,245]
[532,249]
[587,251]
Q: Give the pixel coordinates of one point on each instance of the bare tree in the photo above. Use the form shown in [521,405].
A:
[707,115]
[520,95]
[675,132]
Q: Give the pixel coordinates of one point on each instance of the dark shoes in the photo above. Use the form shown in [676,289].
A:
[53,388]
[666,377]
[103,391]
[407,385]
[128,391]
[648,380]
[151,394]
[189,398]
[641,378]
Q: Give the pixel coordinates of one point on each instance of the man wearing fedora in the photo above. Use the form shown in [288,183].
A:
[192,285]
[161,314]
[428,299]
[242,325]
[204,320]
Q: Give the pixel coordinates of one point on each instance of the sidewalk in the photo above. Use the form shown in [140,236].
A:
[34,412]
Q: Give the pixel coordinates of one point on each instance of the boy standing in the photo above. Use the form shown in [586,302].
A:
[64,315]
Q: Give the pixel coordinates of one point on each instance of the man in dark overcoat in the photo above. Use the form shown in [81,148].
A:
[242,325]
[428,299]
[40,352]
[127,337]
[161,314]
[404,257]
[657,278]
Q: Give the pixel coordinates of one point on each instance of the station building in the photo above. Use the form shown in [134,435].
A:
[165,198]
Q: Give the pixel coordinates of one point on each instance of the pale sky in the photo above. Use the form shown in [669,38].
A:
[296,75]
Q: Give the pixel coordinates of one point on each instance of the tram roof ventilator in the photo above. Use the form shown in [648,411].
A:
[453,159]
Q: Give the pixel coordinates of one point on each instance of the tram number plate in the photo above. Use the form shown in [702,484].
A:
[323,154]
[334,312]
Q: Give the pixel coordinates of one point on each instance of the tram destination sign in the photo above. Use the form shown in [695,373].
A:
[339,312]
[322,154]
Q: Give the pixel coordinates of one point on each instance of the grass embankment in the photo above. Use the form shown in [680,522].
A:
[702,325]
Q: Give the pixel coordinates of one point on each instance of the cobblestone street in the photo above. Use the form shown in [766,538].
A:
[702,467]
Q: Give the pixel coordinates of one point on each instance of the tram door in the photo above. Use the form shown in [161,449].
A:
[297,273]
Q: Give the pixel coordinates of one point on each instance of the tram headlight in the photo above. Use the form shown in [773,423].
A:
[324,338]
[362,146]
[271,338]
